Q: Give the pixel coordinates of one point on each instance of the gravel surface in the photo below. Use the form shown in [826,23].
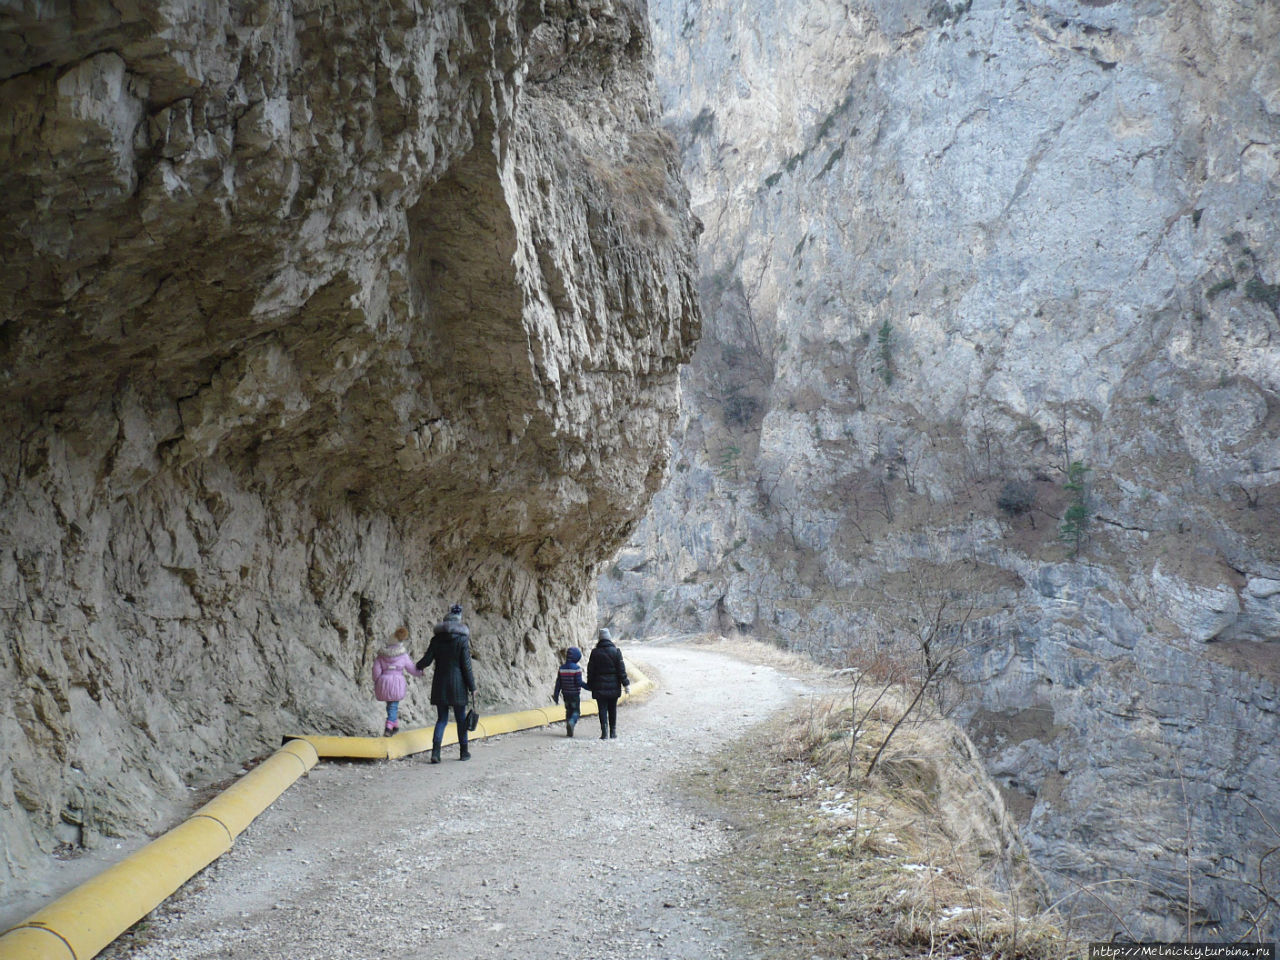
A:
[539,846]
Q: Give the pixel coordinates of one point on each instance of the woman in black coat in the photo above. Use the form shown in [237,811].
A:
[452,682]
[606,679]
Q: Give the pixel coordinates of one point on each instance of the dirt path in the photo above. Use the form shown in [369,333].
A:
[538,847]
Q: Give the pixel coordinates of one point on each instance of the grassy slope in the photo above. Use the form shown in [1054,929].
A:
[917,860]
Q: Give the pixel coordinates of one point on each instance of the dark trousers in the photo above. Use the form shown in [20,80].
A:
[608,715]
[442,721]
[572,709]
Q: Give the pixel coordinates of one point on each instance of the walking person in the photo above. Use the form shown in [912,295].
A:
[606,679]
[570,682]
[389,682]
[452,682]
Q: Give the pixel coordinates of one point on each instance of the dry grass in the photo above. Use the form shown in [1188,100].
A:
[767,655]
[639,182]
[917,861]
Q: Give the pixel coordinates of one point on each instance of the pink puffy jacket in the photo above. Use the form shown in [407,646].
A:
[388,672]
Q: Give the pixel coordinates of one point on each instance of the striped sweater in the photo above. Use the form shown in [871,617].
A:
[569,681]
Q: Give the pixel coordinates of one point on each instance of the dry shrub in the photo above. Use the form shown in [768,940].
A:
[933,840]
[919,859]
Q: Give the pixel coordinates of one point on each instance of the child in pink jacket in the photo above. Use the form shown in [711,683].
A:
[389,682]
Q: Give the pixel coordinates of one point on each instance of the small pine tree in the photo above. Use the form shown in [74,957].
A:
[884,337]
[729,460]
[1075,521]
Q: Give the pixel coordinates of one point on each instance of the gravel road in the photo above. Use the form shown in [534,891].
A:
[540,846]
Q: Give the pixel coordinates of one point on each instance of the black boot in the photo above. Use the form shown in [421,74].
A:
[463,753]
[435,753]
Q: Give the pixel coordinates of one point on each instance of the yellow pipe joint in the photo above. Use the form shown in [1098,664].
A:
[31,942]
[236,807]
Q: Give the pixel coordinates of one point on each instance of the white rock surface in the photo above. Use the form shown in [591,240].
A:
[951,247]
[314,318]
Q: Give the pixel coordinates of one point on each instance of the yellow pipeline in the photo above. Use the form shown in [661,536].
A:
[79,924]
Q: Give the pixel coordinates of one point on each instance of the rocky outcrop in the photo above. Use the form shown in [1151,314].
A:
[950,249]
[313,319]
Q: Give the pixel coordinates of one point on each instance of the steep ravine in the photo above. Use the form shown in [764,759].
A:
[313,319]
[949,250]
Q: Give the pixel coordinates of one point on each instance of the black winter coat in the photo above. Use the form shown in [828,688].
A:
[450,650]
[606,673]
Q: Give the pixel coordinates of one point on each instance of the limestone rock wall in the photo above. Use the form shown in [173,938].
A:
[314,318]
[950,249]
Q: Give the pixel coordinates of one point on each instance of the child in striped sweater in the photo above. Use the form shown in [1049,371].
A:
[570,682]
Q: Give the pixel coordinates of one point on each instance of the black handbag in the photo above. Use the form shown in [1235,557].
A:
[473,717]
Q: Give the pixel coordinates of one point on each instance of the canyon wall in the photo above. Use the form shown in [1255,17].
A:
[314,318]
[950,250]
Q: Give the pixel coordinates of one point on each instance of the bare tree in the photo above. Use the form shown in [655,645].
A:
[918,632]
[886,498]
[939,634]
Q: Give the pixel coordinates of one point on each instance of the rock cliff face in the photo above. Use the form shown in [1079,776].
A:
[314,317]
[951,249]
